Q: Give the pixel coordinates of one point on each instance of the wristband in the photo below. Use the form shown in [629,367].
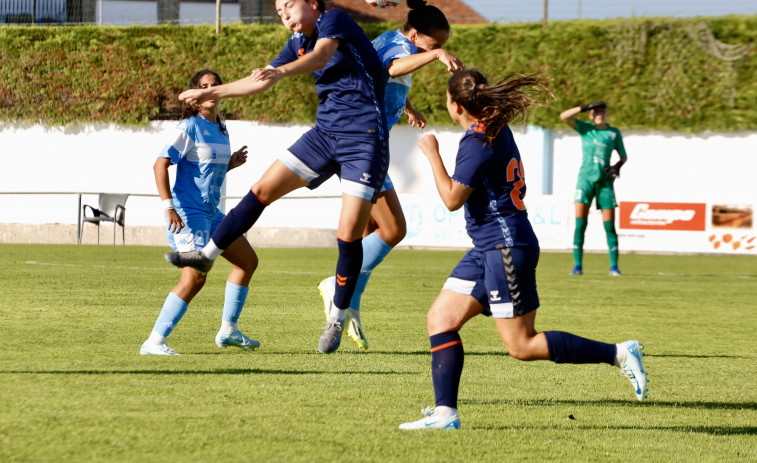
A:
[168,204]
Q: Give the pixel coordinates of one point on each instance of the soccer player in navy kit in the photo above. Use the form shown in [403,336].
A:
[202,154]
[349,139]
[498,276]
[401,52]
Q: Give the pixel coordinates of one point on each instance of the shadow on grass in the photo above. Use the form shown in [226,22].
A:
[425,353]
[227,371]
[689,356]
[502,353]
[712,430]
[629,403]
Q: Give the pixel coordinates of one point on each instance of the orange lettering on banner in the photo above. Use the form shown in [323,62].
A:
[663,216]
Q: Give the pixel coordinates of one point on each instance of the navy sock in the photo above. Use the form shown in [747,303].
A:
[347,271]
[240,219]
[569,348]
[446,367]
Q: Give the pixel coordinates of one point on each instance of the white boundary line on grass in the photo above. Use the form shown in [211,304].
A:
[53,264]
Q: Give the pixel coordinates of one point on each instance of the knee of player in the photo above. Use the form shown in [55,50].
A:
[194,281]
[250,264]
[518,349]
[400,232]
[441,321]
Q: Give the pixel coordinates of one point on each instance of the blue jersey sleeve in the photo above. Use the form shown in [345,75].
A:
[470,157]
[182,143]
[392,45]
[288,53]
[334,25]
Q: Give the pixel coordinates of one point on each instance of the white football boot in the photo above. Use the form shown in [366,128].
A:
[629,361]
[236,339]
[433,419]
[151,348]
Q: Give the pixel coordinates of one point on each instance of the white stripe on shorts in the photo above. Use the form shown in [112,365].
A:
[298,167]
[502,310]
[358,189]
[459,286]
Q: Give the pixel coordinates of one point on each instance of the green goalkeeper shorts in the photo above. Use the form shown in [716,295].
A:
[587,190]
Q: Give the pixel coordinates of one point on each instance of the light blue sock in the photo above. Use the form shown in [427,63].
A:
[173,309]
[374,251]
[234,301]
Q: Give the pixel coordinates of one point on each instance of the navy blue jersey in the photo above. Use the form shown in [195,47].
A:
[350,87]
[494,212]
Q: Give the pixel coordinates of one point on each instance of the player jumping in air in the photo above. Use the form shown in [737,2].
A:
[349,139]
[401,52]
[498,276]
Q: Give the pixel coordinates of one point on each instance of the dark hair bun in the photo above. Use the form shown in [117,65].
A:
[416,4]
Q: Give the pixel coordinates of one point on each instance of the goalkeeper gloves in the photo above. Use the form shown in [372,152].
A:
[613,171]
[593,105]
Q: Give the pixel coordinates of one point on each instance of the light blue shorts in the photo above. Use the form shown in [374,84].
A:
[198,228]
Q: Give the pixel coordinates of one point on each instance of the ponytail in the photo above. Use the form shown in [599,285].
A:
[426,19]
[498,104]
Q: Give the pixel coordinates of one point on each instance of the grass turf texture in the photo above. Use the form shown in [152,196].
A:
[73,386]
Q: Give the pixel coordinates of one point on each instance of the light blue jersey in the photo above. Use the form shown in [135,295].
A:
[392,45]
[201,152]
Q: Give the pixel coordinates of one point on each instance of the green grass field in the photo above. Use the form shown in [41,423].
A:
[73,386]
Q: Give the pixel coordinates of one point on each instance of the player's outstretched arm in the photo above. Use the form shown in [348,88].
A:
[317,59]
[569,116]
[453,194]
[239,88]
[407,64]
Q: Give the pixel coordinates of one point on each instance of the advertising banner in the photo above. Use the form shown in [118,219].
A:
[663,216]
[687,227]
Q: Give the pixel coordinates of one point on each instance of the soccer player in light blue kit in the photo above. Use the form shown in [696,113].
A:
[498,276]
[401,52]
[349,139]
[202,155]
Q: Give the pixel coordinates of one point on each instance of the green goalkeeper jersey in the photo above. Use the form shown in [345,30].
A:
[598,145]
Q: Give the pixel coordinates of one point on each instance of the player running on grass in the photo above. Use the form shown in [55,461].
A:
[202,154]
[401,52]
[498,276]
[596,177]
[349,139]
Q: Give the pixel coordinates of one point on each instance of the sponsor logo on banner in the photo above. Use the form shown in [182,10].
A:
[663,216]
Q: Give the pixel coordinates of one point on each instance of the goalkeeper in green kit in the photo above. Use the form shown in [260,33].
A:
[596,177]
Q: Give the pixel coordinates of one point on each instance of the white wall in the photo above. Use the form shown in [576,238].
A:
[676,168]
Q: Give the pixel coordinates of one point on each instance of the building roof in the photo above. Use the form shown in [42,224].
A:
[456,11]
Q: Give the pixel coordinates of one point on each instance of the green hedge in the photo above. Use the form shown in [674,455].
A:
[656,74]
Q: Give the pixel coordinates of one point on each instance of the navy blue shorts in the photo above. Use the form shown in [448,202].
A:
[360,162]
[503,280]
